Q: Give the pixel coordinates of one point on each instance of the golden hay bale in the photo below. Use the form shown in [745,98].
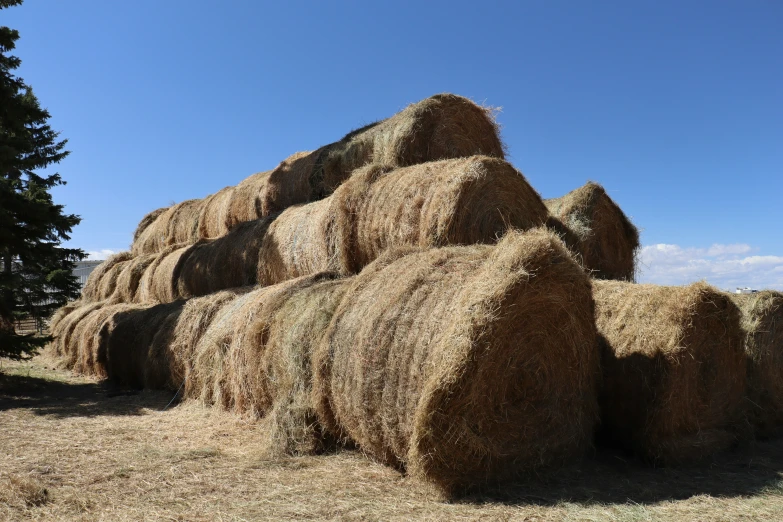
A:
[90,354]
[108,283]
[762,323]
[269,192]
[226,262]
[284,341]
[157,279]
[464,364]
[439,127]
[146,221]
[302,240]
[66,343]
[56,321]
[448,202]
[606,239]
[91,288]
[129,279]
[128,338]
[674,369]
[213,220]
[177,224]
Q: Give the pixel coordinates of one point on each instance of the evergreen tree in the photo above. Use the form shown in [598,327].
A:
[35,271]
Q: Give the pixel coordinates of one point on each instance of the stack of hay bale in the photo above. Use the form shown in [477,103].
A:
[406,290]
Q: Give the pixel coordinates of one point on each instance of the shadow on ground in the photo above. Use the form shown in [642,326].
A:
[611,477]
[63,399]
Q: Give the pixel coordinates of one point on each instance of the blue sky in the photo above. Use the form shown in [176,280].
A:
[676,107]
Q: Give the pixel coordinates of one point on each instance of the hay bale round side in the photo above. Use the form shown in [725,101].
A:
[146,221]
[90,356]
[157,279]
[605,238]
[439,127]
[183,227]
[673,369]
[464,365]
[213,219]
[762,323]
[66,343]
[227,262]
[126,288]
[302,240]
[56,321]
[91,289]
[289,332]
[154,237]
[129,338]
[108,284]
[449,202]
[267,193]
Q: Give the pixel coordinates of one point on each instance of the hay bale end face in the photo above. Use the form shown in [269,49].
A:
[673,369]
[762,322]
[464,364]
[600,233]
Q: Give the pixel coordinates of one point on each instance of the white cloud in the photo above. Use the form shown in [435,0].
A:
[100,255]
[724,266]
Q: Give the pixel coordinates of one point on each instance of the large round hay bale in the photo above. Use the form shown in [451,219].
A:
[108,283]
[464,364]
[449,202]
[154,237]
[213,219]
[146,221]
[439,127]
[673,368]
[128,280]
[302,240]
[90,358]
[286,337]
[183,227]
[606,239]
[266,193]
[227,262]
[56,321]
[129,338]
[157,283]
[762,323]
[191,324]
[91,288]
[65,342]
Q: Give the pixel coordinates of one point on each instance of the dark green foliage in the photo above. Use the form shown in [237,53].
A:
[35,272]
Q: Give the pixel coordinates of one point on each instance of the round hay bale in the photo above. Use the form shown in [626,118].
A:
[762,323]
[146,221]
[90,356]
[108,284]
[191,324]
[673,368]
[183,226]
[302,240]
[157,280]
[449,202]
[227,262]
[267,193]
[129,338]
[56,321]
[154,237]
[464,365]
[286,337]
[91,289]
[130,277]
[66,343]
[439,127]
[213,219]
[605,238]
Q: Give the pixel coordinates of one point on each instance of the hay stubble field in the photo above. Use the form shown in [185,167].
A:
[74,448]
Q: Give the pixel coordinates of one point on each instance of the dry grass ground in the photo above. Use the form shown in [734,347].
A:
[73,448]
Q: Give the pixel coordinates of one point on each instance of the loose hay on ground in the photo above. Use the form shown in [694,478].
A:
[673,369]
